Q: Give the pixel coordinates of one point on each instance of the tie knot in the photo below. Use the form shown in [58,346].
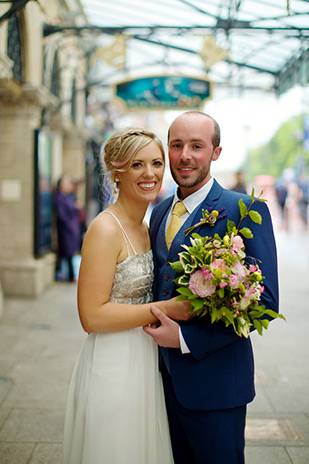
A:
[179,209]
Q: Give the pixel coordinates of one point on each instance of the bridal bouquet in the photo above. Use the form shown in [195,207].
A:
[216,279]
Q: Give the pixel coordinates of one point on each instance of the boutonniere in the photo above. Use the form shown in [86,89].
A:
[210,217]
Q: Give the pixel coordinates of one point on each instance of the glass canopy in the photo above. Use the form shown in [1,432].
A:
[254,44]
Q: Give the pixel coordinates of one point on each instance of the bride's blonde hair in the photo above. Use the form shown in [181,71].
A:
[120,148]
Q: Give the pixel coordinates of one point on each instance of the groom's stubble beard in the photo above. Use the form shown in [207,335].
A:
[198,176]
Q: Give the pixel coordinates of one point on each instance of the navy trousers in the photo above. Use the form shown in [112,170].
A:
[204,437]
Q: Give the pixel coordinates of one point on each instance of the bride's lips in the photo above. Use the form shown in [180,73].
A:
[147,185]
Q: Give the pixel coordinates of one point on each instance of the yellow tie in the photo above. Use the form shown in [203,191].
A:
[175,224]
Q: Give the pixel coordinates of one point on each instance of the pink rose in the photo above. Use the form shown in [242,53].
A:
[200,286]
[207,275]
[238,243]
[220,251]
[218,264]
[252,291]
[239,270]
[222,284]
[233,280]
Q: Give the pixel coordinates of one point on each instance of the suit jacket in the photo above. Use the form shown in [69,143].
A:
[219,371]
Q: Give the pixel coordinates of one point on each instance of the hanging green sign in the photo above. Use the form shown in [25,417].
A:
[164,92]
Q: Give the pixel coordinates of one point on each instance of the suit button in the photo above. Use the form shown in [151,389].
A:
[165,292]
[167,277]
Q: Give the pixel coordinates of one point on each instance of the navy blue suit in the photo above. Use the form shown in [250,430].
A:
[218,374]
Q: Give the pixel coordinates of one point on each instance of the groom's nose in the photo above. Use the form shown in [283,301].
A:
[185,153]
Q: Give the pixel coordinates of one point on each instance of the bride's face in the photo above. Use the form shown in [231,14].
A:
[143,180]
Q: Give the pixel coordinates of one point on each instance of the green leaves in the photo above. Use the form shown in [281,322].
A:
[258,326]
[227,314]
[247,211]
[243,209]
[187,261]
[183,280]
[273,314]
[197,305]
[231,227]
[177,266]
[221,293]
[246,232]
[256,217]
[184,291]
[252,195]
[214,314]
[256,313]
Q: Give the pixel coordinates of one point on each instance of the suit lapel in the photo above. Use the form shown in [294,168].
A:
[210,202]
[157,218]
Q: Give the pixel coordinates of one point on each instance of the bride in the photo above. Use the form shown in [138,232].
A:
[115,409]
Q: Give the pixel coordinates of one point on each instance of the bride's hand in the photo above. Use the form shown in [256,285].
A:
[178,310]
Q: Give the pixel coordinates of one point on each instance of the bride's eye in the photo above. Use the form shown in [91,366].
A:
[137,164]
[158,163]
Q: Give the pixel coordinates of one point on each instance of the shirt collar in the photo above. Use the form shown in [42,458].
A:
[193,200]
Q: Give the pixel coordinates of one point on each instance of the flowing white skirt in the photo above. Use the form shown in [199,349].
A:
[115,410]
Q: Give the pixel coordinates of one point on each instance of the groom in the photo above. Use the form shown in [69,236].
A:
[208,370]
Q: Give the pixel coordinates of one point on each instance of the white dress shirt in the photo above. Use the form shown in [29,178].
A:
[191,202]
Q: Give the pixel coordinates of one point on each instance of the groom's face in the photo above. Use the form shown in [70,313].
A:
[191,151]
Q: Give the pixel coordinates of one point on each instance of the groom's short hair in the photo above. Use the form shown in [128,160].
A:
[216,135]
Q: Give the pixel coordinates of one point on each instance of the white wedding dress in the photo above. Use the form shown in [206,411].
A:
[115,410]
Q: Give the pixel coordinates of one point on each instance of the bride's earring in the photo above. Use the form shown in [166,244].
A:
[116,185]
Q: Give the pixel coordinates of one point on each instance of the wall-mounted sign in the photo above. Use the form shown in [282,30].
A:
[164,92]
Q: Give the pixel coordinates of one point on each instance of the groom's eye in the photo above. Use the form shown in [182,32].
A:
[176,145]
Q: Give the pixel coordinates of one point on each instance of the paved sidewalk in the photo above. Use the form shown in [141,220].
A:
[40,339]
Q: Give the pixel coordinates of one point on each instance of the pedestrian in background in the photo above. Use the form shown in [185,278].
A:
[240,185]
[68,225]
[282,195]
[303,186]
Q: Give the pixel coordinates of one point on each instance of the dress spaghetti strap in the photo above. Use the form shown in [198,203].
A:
[125,236]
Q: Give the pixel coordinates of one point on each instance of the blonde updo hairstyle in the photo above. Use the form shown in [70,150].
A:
[121,148]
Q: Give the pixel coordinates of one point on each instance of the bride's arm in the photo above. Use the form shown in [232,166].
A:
[103,247]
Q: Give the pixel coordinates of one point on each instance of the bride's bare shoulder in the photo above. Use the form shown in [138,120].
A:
[103,228]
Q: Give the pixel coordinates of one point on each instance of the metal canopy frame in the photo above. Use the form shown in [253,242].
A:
[266,42]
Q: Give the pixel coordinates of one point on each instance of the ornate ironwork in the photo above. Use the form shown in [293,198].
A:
[14,47]
[54,82]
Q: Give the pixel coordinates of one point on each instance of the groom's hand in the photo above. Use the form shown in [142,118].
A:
[167,333]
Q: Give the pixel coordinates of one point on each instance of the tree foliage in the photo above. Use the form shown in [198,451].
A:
[281,152]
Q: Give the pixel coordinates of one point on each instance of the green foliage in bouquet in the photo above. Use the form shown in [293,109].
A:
[218,282]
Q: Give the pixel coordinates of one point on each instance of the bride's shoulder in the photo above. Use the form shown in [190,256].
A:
[103,228]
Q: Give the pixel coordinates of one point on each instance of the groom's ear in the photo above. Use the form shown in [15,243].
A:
[216,153]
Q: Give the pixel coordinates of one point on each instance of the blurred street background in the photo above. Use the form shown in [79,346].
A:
[71,73]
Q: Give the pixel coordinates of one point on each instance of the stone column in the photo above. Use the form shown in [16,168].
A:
[20,273]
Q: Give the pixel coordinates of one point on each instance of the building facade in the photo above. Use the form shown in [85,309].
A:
[42,135]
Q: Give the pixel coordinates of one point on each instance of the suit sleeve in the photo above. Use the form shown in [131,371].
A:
[202,337]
